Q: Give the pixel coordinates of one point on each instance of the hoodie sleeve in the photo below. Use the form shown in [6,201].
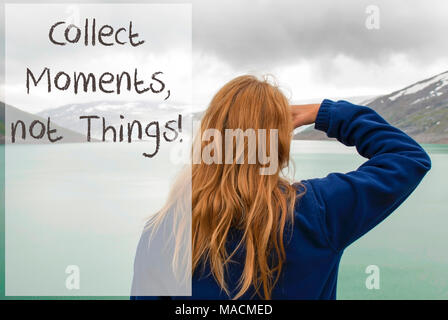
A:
[351,204]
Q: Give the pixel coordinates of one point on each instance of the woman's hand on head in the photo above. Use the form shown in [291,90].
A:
[303,114]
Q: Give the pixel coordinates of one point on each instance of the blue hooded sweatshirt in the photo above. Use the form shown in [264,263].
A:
[333,213]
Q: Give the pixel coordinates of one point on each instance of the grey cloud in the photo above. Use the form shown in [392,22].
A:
[265,34]
[246,33]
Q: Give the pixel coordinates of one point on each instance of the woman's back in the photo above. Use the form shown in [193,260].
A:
[329,214]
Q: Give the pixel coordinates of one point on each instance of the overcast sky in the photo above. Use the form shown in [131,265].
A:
[318,48]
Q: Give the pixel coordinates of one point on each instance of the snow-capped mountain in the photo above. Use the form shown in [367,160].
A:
[114,112]
[429,92]
[434,87]
[421,110]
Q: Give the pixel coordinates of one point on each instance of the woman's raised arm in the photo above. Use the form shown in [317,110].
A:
[352,203]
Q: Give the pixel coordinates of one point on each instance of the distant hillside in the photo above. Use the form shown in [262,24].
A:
[420,110]
[15,114]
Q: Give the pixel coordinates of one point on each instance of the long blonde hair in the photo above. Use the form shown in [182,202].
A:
[235,196]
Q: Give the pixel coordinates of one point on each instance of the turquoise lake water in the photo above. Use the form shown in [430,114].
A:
[84,204]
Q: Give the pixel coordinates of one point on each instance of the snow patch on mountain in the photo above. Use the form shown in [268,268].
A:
[441,80]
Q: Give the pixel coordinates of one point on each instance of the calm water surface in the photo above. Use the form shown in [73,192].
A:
[84,204]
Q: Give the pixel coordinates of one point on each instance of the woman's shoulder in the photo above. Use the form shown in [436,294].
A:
[309,214]
[305,193]
[307,199]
